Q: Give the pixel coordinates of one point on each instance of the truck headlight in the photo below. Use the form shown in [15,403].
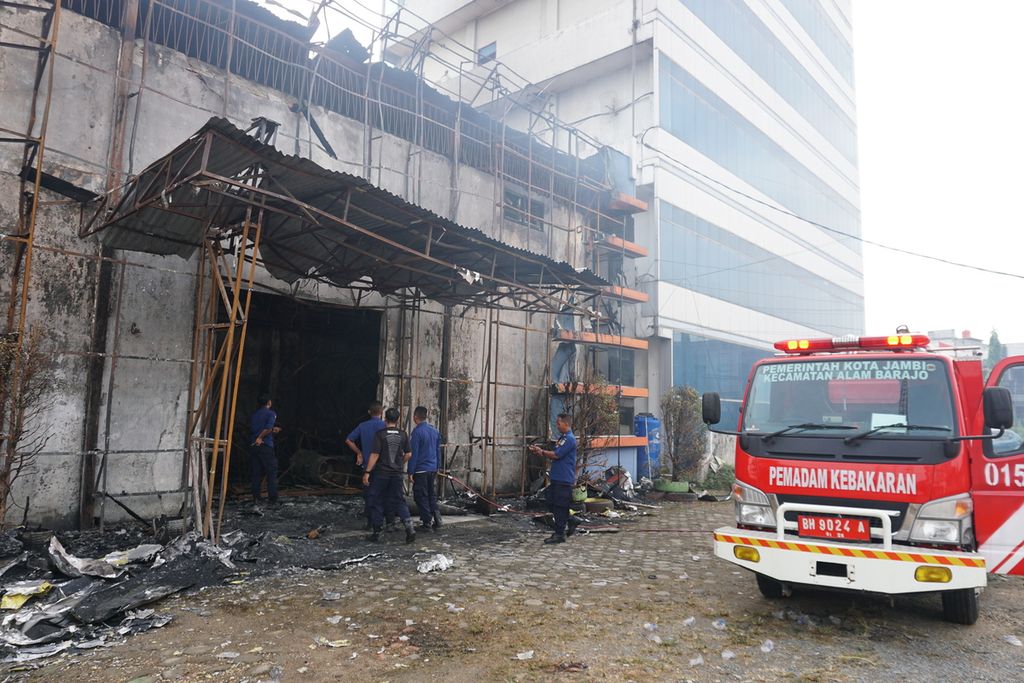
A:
[752,506]
[758,515]
[944,521]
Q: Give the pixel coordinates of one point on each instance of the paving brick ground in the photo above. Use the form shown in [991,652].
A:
[649,603]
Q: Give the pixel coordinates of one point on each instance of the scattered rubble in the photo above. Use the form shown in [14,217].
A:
[77,591]
[499,565]
[18,593]
[437,563]
[69,565]
[84,590]
[324,642]
[84,603]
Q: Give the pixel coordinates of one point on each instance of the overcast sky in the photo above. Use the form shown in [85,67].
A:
[941,128]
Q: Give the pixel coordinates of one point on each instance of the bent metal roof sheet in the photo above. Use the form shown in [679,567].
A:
[327,225]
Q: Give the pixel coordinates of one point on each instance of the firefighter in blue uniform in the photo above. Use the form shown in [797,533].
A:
[426,456]
[563,475]
[360,441]
[263,459]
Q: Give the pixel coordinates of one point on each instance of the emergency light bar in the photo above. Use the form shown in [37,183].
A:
[893,341]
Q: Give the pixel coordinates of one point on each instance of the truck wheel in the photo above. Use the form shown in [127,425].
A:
[960,606]
[769,587]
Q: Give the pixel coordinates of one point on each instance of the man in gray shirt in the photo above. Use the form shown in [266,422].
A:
[385,475]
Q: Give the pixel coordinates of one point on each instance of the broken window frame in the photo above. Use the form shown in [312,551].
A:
[487,53]
[520,208]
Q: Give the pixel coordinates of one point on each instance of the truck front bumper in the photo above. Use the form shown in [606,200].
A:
[850,566]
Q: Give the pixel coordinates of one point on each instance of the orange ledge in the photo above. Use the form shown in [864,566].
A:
[602,339]
[618,441]
[616,243]
[626,294]
[579,388]
[623,202]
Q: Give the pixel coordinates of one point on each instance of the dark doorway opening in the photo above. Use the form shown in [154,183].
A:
[320,365]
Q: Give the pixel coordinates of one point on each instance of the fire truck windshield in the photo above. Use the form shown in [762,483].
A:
[885,397]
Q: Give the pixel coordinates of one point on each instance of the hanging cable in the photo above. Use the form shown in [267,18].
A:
[827,228]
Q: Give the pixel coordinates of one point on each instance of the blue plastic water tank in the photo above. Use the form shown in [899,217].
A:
[648,458]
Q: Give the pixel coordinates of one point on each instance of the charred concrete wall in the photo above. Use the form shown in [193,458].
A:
[122,339]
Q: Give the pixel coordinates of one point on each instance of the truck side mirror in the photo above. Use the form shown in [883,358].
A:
[998,407]
[711,408]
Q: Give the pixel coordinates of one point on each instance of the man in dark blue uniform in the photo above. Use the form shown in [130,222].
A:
[360,440]
[563,475]
[385,477]
[426,456]
[262,458]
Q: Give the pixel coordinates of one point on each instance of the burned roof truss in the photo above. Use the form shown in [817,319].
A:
[327,226]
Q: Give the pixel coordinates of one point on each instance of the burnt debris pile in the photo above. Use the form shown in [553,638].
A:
[76,591]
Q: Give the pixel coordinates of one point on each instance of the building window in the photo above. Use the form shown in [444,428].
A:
[813,18]
[704,257]
[525,211]
[487,53]
[609,266]
[700,118]
[626,414]
[744,32]
[619,366]
[711,365]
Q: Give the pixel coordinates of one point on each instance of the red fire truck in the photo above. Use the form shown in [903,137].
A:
[873,464]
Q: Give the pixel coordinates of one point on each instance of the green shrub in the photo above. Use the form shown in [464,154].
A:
[721,480]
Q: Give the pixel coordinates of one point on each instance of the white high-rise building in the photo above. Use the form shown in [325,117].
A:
[740,119]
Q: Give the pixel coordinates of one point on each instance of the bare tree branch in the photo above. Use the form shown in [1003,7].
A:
[595,412]
[684,436]
[28,381]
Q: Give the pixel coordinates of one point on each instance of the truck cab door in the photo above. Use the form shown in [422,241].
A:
[997,481]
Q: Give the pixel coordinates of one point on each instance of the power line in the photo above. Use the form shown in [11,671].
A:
[827,228]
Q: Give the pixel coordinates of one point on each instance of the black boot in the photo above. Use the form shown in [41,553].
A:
[437,520]
[374,537]
[555,538]
[410,533]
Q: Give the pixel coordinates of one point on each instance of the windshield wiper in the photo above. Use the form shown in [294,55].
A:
[895,425]
[804,425]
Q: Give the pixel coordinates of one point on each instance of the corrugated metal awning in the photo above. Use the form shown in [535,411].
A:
[326,225]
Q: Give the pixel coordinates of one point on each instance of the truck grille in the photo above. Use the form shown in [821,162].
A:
[897,522]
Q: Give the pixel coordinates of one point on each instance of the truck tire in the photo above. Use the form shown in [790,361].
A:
[960,606]
[769,587]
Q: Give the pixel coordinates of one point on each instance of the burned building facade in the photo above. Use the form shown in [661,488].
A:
[201,203]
